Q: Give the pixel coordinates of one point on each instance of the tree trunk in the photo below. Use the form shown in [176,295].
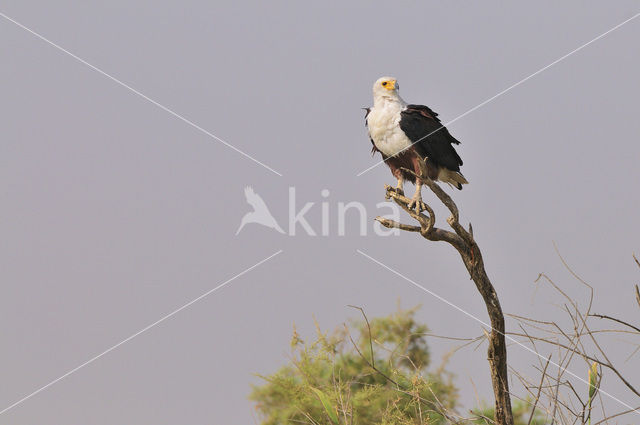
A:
[462,240]
[497,352]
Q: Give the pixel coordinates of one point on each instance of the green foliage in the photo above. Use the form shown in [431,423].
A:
[593,380]
[328,407]
[329,381]
[593,387]
[332,382]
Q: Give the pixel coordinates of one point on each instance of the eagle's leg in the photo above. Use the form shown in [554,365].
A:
[416,201]
[400,186]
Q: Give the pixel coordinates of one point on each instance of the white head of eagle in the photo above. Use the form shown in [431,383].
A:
[386,89]
[411,137]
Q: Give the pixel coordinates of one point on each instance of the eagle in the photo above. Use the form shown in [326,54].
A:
[411,137]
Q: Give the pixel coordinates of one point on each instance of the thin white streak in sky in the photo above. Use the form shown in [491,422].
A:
[463,311]
[164,108]
[480,105]
[124,341]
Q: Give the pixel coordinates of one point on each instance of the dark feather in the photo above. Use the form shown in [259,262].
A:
[366,114]
[373,148]
[432,140]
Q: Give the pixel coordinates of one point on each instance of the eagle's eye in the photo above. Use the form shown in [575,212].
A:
[384,84]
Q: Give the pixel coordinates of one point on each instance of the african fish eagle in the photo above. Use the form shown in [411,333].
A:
[411,137]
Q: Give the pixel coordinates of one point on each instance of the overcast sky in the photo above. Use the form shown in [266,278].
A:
[115,213]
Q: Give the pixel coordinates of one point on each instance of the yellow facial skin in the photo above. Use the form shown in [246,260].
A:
[389,84]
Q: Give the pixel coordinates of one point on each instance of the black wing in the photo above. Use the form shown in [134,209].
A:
[432,140]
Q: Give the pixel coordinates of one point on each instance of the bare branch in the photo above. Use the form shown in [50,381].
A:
[366,319]
[463,241]
[391,224]
[604,316]
[535,402]
[371,365]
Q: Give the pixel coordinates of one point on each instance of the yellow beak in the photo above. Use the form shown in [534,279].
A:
[391,85]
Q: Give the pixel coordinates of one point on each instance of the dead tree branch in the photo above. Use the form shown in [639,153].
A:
[462,240]
[578,340]
[604,316]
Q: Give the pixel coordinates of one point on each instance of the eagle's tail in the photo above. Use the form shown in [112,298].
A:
[454,178]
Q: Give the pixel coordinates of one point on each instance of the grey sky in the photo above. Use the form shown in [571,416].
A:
[115,213]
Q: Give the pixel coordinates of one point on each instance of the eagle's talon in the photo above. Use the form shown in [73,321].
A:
[398,189]
[417,204]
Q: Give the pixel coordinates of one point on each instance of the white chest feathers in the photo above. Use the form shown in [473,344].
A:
[384,129]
